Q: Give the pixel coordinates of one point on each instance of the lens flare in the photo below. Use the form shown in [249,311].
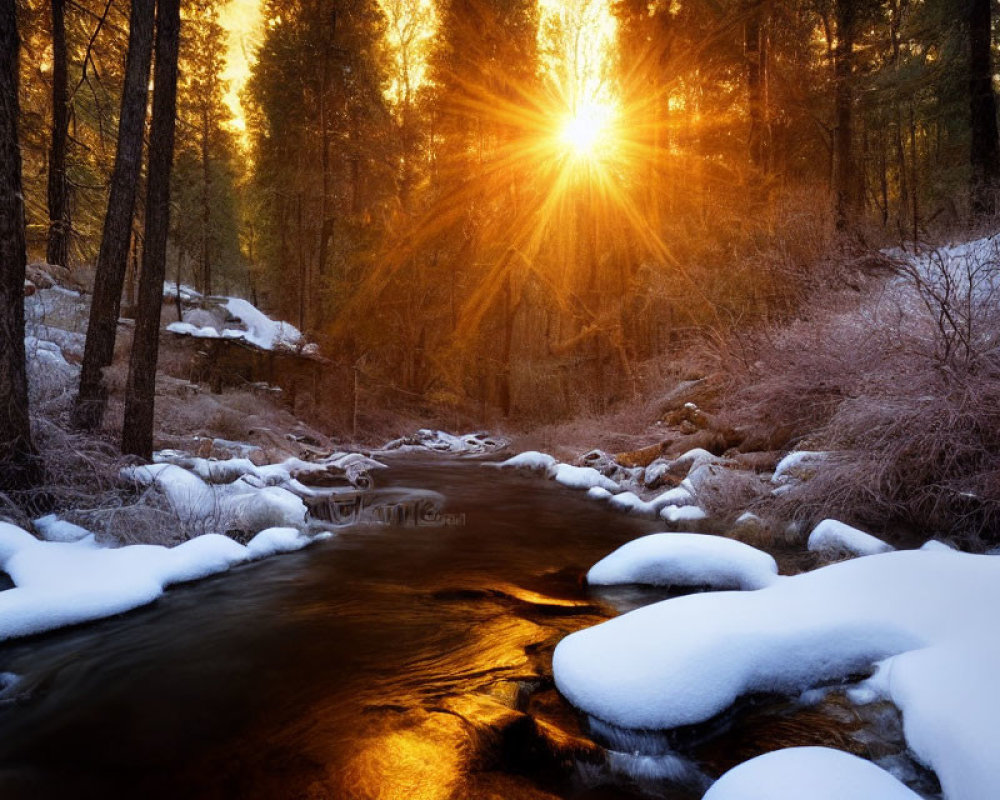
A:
[589,133]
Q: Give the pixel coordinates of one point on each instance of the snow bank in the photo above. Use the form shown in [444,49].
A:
[832,536]
[816,773]
[59,584]
[684,660]
[686,559]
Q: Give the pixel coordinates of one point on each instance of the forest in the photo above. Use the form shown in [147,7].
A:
[480,203]
[523,399]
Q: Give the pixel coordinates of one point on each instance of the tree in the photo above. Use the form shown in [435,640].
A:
[137,433]
[845,176]
[985,140]
[112,259]
[57,251]
[19,464]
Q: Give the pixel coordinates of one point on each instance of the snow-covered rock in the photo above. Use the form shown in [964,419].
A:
[798,464]
[808,773]
[582,478]
[684,660]
[686,559]
[832,536]
[427,440]
[53,529]
[530,460]
[266,333]
[677,514]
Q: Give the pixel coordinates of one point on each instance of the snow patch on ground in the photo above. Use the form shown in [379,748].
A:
[816,773]
[686,559]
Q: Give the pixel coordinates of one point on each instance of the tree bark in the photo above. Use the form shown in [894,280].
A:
[140,392]
[20,467]
[845,176]
[57,251]
[113,256]
[985,145]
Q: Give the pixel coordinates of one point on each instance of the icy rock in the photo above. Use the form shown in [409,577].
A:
[832,536]
[816,773]
[686,559]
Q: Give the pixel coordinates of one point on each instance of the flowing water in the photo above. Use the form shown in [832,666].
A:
[390,661]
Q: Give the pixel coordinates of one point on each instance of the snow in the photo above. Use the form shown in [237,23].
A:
[685,660]
[796,462]
[693,458]
[59,584]
[187,329]
[631,503]
[686,559]
[530,460]
[236,506]
[53,529]
[951,711]
[682,514]
[428,440]
[582,478]
[599,493]
[262,331]
[832,536]
[816,773]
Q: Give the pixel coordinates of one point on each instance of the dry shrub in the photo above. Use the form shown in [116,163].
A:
[904,388]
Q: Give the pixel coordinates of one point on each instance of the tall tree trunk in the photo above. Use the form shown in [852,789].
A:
[206,206]
[137,432]
[985,150]
[57,251]
[845,174]
[113,256]
[756,76]
[19,464]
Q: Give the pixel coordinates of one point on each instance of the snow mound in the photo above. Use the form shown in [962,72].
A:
[530,460]
[832,536]
[684,660]
[816,773]
[59,584]
[686,559]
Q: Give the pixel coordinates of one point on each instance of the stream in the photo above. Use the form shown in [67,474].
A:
[389,661]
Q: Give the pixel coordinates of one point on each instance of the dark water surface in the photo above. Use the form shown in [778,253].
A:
[386,662]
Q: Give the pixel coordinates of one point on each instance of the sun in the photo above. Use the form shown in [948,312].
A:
[589,133]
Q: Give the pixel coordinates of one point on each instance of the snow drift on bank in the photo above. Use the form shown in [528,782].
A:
[59,583]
